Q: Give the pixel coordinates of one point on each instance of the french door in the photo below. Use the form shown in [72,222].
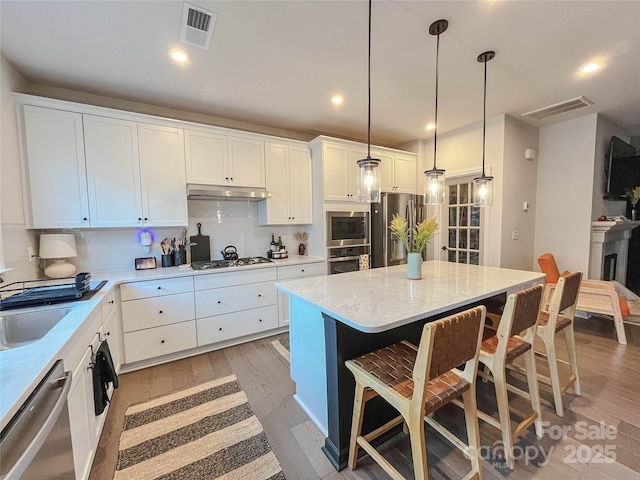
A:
[462,224]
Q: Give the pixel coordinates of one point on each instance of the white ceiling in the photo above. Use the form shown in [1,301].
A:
[277,63]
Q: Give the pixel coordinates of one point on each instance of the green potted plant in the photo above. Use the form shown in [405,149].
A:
[414,240]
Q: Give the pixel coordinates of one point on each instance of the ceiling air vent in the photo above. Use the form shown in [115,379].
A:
[558,108]
[197,25]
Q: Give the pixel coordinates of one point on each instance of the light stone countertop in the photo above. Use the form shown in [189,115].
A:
[380,299]
[22,368]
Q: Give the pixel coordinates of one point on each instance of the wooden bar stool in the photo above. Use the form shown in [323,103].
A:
[418,381]
[559,317]
[513,338]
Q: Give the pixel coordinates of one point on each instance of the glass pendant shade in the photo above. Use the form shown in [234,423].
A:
[483,191]
[434,187]
[369,180]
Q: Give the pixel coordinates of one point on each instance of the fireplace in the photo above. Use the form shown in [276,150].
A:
[609,270]
[610,250]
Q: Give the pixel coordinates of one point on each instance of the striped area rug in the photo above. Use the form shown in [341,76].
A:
[281,347]
[205,432]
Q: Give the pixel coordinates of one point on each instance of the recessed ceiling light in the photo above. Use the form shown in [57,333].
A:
[591,67]
[179,55]
[337,99]
[431,126]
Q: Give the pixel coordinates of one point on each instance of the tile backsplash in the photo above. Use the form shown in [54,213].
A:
[225,222]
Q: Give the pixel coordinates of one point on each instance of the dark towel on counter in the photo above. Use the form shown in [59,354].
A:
[103,373]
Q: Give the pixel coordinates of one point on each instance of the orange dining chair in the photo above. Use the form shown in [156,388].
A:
[417,381]
[595,296]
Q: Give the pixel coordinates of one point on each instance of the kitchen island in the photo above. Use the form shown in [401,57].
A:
[338,317]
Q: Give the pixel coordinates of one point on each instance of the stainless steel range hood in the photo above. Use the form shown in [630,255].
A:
[222,192]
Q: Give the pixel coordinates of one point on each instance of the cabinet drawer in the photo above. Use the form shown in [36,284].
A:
[154,342]
[155,312]
[107,304]
[238,324]
[305,270]
[219,301]
[155,288]
[228,279]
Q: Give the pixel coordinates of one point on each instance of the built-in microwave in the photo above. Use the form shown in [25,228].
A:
[347,228]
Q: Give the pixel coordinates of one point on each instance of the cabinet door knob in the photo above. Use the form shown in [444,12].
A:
[259,295]
[139,219]
[160,312]
[112,302]
[84,219]
[259,320]
[159,288]
[161,341]
[303,270]
[226,178]
[145,219]
[219,301]
[220,329]
[107,334]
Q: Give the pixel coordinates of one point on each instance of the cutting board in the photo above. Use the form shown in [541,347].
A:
[201,251]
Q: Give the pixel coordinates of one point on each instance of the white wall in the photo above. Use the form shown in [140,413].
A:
[14,237]
[564,193]
[519,186]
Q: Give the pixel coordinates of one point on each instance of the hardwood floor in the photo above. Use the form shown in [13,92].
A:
[602,424]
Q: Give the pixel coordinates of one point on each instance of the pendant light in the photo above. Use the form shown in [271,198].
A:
[434,187]
[369,179]
[483,185]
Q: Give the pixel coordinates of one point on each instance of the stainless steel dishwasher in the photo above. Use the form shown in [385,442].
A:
[36,443]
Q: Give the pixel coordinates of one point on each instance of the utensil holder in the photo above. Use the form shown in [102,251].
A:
[180,257]
[167,260]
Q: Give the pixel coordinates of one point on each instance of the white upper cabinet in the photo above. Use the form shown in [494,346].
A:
[206,157]
[53,144]
[340,171]
[162,174]
[113,172]
[341,175]
[288,179]
[217,159]
[397,171]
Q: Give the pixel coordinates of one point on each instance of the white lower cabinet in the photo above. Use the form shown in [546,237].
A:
[232,305]
[86,427]
[289,272]
[154,342]
[237,324]
[157,311]
[82,418]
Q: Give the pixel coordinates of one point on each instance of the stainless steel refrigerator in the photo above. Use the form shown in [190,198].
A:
[386,249]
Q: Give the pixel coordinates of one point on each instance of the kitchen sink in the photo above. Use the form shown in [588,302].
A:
[19,329]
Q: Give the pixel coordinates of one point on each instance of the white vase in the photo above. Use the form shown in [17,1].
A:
[414,266]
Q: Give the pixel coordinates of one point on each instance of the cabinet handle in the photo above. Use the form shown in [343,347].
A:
[139,219]
[160,312]
[161,341]
[84,219]
[231,179]
[159,288]
[226,178]
[145,219]
[219,301]
[220,329]
[259,320]
[112,302]
[259,295]
[303,270]
[107,334]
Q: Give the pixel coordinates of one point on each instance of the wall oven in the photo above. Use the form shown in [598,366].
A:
[345,259]
[347,228]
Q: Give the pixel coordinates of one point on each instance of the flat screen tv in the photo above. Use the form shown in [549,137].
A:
[622,169]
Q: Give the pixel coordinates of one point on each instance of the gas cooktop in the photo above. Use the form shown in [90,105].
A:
[240,262]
